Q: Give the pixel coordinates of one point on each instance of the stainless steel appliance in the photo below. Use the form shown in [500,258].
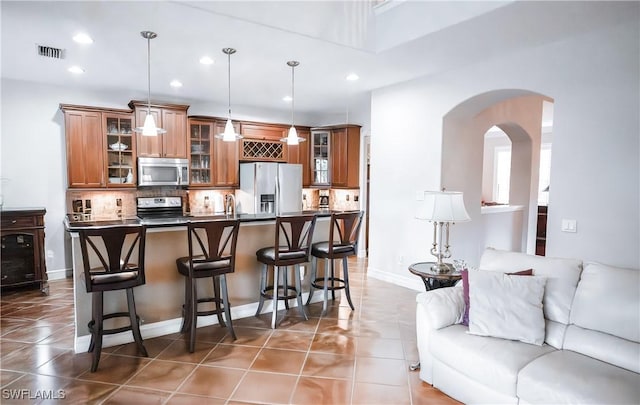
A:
[162,209]
[163,172]
[269,188]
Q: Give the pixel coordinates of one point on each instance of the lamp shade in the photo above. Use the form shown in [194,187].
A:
[149,128]
[292,137]
[229,134]
[443,206]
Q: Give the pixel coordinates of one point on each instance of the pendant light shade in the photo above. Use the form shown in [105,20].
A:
[229,134]
[149,128]
[292,138]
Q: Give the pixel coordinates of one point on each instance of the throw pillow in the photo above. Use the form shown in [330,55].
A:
[465,290]
[507,306]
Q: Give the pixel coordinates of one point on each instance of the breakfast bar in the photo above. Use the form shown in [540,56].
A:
[159,301]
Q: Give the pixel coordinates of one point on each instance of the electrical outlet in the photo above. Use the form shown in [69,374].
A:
[347,197]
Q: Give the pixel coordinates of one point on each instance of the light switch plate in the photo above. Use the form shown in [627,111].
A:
[569,225]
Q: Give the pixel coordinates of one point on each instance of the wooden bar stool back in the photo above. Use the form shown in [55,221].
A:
[344,232]
[292,247]
[212,253]
[113,259]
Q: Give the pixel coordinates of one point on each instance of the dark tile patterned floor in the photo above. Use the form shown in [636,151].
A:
[344,357]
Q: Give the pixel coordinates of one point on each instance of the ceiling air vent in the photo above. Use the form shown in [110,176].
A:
[50,52]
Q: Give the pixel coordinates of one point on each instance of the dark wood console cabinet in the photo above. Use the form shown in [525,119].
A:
[541,231]
[23,252]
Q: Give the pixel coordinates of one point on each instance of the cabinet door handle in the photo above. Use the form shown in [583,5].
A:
[5,277]
[14,221]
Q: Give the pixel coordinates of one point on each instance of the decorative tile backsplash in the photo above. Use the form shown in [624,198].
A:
[114,204]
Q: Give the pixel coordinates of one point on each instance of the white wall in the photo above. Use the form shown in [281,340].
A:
[33,149]
[594,82]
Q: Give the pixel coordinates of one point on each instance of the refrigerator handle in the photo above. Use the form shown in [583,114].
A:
[277,199]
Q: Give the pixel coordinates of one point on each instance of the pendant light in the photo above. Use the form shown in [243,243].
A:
[229,134]
[149,128]
[292,138]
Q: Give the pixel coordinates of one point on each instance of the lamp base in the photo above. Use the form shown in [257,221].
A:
[442,268]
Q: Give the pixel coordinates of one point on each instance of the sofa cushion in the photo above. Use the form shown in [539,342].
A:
[465,288]
[562,278]
[568,377]
[602,346]
[491,361]
[608,300]
[506,306]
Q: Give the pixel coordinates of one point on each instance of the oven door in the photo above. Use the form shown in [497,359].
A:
[163,172]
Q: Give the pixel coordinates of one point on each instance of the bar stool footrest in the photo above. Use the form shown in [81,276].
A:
[331,286]
[265,294]
[113,331]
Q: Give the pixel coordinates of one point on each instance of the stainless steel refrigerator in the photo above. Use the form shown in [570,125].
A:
[269,188]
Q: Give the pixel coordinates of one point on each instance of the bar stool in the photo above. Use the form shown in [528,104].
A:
[113,259]
[343,242]
[216,241]
[292,247]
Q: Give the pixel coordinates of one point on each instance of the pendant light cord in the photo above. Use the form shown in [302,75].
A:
[148,75]
[229,82]
[293,99]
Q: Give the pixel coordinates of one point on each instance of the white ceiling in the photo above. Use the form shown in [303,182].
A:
[396,42]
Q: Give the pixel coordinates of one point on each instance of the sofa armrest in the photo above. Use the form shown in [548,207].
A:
[442,307]
[435,310]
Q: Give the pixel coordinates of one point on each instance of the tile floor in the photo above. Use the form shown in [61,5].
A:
[345,357]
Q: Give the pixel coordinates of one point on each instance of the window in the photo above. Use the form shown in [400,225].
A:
[545,174]
[502,174]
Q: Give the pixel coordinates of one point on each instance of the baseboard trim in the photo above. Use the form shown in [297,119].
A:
[170,326]
[411,282]
[59,274]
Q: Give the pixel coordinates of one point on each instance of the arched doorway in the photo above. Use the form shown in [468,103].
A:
[519,114]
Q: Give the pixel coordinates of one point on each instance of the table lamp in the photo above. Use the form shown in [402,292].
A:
[442,208]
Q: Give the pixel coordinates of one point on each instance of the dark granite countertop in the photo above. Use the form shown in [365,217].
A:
[72,226]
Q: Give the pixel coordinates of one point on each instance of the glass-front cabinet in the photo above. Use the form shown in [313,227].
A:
[320,147]
[200,137]
[120,152]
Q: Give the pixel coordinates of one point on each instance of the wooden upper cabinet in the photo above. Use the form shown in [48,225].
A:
[271,132]
[214,162]
[344,156]
[174,142]
[170,117]
[120,149]
[351,165]
[226,159]
[148,146]
[339,157]
[300,154]
[85,147]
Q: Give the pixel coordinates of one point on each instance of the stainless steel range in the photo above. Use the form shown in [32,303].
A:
[161,208]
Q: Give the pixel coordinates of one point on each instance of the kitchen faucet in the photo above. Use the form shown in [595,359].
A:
[230,205]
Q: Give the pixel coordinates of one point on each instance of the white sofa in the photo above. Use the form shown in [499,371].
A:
[591,350]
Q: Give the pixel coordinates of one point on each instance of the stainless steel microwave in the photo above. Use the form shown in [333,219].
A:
[163,172]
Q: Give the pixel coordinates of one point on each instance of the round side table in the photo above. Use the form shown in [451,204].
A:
[433,279]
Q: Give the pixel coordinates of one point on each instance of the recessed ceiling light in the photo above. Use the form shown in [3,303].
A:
[76,70]
[175,83]
[205,60]
[82,38]
[287,98]
[352,77]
